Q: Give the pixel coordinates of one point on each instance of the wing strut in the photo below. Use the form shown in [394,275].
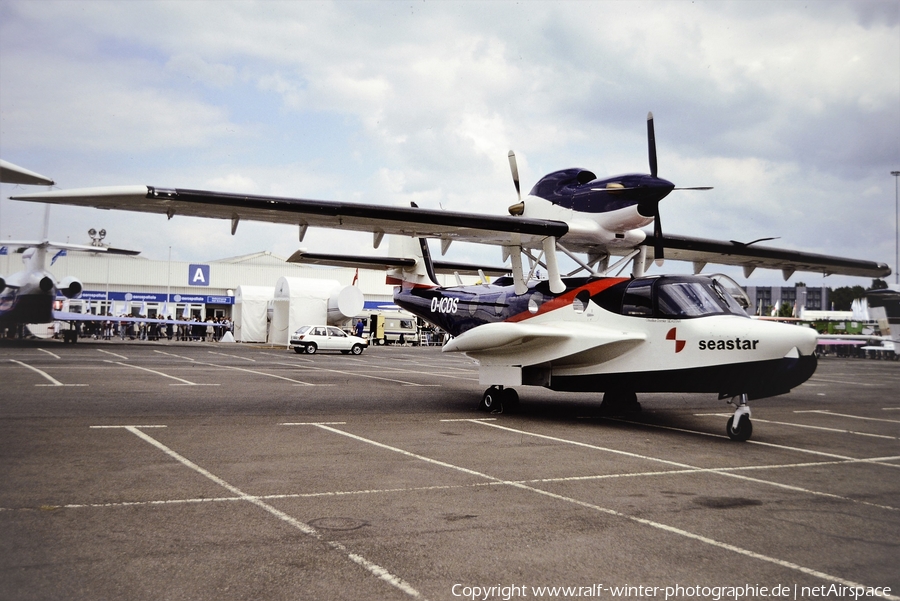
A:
[515,257]
[556,284]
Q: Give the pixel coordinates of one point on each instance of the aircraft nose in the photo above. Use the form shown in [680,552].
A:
[806,340]
[650,192]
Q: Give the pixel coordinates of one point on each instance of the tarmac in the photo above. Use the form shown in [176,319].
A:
[178,470]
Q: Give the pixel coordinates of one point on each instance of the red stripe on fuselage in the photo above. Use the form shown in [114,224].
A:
[567,298]
[405,285]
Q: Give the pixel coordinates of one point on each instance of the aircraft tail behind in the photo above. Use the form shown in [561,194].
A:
[418,275]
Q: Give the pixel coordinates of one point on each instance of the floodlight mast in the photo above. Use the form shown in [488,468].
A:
[896,175]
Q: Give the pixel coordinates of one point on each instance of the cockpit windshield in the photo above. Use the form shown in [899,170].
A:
[688,299]
[679,297]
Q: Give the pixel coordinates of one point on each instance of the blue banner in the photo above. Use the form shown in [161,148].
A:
[151,297]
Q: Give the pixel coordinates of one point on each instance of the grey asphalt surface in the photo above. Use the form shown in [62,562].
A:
[140,470]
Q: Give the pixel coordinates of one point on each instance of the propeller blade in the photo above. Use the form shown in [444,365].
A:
[515,172]
[658,255]
[651,144]
[695,188]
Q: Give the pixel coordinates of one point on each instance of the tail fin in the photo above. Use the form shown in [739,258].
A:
[891,332]
[417,276]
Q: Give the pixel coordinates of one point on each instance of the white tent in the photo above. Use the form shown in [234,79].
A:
[302,301]
[251,305]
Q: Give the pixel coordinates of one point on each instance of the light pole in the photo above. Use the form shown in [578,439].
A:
[896,175]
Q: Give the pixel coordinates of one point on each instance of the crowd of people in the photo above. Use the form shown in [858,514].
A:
[167,328]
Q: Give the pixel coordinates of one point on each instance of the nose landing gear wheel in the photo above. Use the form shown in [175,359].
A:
[739,427]
[743,431]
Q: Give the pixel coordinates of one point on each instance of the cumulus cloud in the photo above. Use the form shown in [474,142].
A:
[792,111]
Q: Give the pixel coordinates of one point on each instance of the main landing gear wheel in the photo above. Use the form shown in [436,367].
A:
[619,403]
[497,399]
[739,427]
[490,400]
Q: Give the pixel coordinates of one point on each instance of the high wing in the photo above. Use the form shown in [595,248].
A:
[449,226]
[13,174]
[380,220]
[22,244]
[701,251]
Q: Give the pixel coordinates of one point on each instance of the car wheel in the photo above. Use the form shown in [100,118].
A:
[311,348]
[356,349]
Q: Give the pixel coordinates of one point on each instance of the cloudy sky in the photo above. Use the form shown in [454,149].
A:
[790,109]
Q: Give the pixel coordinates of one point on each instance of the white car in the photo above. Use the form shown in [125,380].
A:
[309,339]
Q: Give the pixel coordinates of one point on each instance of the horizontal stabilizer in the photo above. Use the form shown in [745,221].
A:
[384,263]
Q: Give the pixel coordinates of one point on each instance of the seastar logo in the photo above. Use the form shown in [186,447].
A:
[679,344]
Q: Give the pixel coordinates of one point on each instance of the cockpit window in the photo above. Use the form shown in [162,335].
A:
[638,299]
[687,299]
[668,297]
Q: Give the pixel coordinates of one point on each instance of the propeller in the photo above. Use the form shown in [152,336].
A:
[519,207]
[658,252]
[657,223]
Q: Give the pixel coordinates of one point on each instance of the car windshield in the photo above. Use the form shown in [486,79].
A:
[302,331]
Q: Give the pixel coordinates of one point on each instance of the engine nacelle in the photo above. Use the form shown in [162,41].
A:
[70,287]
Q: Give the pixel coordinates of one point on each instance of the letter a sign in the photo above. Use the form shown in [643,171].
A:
[198,275]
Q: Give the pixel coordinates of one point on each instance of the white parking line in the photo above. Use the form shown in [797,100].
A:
[49,353]
[373,568]
[122,357]
[724,472]
[807,426]
[260,373]
[235,356]
[857,383]
[468,375]
[174,355]
[159,373]
[874,419]
[375,491]
[53,381]
[874,461]
[639,520]
[352,373]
